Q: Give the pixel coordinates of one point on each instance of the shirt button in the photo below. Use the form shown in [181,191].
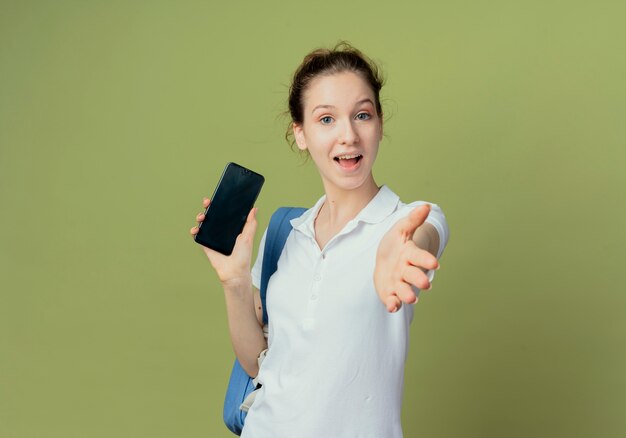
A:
[317,277]
[313,297]
[323,256]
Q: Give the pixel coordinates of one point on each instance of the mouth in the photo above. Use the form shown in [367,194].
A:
[348,161]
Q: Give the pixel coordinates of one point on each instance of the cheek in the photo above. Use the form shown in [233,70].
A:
[371,134]
[319,139]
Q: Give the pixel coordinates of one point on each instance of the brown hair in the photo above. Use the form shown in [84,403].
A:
[343,57]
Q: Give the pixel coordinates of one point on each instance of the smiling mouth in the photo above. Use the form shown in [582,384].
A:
[349,160]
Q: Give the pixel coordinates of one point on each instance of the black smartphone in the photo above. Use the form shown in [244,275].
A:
[226,215]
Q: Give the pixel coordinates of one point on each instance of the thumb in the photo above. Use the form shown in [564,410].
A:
[249,229]
[416,217]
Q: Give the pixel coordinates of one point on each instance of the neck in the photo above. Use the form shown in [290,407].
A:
[342,205]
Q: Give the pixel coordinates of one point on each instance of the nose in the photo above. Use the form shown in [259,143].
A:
[348,134]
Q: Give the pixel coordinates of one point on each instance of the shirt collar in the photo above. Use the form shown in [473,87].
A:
[381,206]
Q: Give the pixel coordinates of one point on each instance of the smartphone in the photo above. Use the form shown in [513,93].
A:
[226,215]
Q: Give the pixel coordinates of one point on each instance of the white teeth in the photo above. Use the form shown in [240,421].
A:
[348,157]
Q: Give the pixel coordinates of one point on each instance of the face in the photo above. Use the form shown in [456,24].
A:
[341,129]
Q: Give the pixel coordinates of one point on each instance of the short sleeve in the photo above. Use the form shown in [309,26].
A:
[258,264]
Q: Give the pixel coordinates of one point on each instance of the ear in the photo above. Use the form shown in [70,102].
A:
[298,134]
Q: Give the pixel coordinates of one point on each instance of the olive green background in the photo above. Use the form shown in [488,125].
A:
[116,118]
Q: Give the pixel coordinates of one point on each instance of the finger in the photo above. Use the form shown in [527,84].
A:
[393,303]
[408,224]
[417,216]
[249,228]
[406,294]
[200,217]
[194,231]
[205,202]
[416,277]
[421,258]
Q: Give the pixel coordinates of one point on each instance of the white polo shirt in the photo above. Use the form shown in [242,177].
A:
[335,364]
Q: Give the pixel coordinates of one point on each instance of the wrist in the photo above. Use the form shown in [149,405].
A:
[238,285]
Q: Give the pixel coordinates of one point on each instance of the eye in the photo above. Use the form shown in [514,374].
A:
[326,120]
[363,116]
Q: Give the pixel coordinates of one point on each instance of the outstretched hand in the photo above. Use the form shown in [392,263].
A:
[235,267]
[400,263]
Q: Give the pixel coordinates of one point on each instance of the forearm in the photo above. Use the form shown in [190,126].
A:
[246,332]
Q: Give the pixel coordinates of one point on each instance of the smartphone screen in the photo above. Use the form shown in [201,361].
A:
[226,215]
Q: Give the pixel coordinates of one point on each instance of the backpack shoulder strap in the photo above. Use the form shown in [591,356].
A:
[277,233]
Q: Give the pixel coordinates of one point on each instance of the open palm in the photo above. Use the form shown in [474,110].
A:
[400,263]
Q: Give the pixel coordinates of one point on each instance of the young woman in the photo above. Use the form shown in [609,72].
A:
[341,301]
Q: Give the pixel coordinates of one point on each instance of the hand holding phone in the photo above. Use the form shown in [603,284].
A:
[228,210]
[235,267]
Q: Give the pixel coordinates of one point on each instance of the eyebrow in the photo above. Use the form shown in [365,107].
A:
[332,106]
